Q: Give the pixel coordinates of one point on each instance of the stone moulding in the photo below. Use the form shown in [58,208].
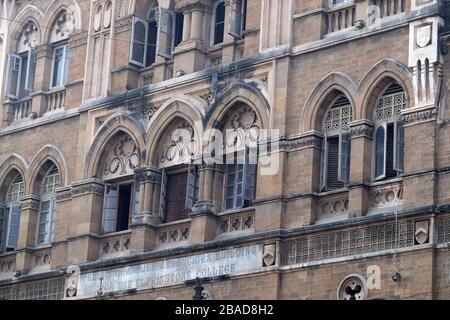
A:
[125,24]
[361,129]
[300,142]
[78,39]
[420,115]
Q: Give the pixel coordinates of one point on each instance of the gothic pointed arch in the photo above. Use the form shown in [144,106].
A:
[47,157]
[315,106]
[26,29]
[236,93]
[177,108]
[377,79]
[122,124]
[65,15]
[13,165]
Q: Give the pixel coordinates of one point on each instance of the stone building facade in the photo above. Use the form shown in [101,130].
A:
[108,188]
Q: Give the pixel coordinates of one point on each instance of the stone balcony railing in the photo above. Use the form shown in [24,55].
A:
[56,100]
[341,18]
[174,233]
[386,197]
[22,109]
[237,221]
[41,260]
[115,245]
[389,8]
[7,265]
[333,207]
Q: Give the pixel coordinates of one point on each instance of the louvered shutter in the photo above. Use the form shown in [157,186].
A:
[164,46]
[110,209]
[191,188]
[14,226]
[380,152]
[31,68]
[333,164]
[344,158]
[176,197]
[139,37]
[235,20]
[390,147]
[13,73]
[399,147]
[137,192]
[2,228]
[249,172]
[324,163]
[162,197]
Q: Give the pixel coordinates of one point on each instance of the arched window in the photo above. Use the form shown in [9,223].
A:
[158,34]
[241,130]
[389,133]
[117,166]
[179,182]
[10,215]
[219,22]
[47,207]
[336,145]
[59,39]
[21,64]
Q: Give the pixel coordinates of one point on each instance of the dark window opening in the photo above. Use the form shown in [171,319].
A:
[124,207]
[179,23]
[219,24]
[151,43]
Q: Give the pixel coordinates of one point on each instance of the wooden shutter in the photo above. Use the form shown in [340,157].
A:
[14,226]
[139,38]
[2,228]
[166,29]
[13,73]
[333,164]
[380,152]
[235,20]
[390,156]
[110,209]
[191,188]
[176,197]
[31,68]
[324,163]
[162,197]
[399,146]
[344,158]
[249,174]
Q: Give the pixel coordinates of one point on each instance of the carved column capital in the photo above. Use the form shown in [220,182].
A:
[148,174]
[419,115]
[193,5]
[308,140]
[361,129]
[88,186]
[30,202]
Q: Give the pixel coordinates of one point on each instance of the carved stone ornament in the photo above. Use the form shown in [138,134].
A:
[242,129]
[121,159]
[29,37]
[354,287]
[64,26]
[177,145]
[269,257]
[421,233]
[423,36]
[72,281]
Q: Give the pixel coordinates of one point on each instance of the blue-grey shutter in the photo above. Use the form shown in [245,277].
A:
[14,226]
[249,179]
[166,29]
[138,48]
[235,20]
[162,197]
[399,146]
[31,70]
[380,152]
[44,222]
[2,228]
[53,220]
[137,192]
[110,209]
[13,73]
[344,158]
[191,189]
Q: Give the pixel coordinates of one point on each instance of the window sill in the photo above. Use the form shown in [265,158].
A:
[115,234]
[333,192]
[386,182]
[235,211]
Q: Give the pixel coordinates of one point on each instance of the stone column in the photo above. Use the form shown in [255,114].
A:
[143,235]
[360,167]
[204,221]
[44,60]
[63,213]
[27,232]
[85,221]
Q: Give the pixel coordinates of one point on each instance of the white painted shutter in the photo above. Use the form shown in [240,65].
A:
[110,209]
[31,70]
[138,50]
[344,158]
[162,198]
[191,189]
[166,29]
[14,226]
[399,147]
[13,73]
[380,151]
[235,20]
[249,179]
